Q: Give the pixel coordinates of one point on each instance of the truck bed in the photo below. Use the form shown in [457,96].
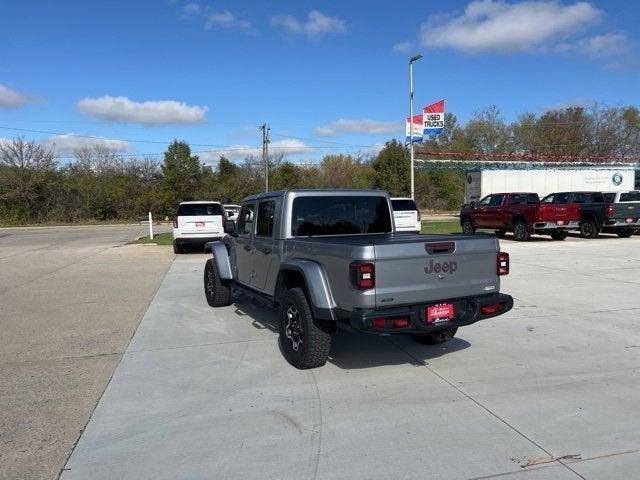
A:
[409,268]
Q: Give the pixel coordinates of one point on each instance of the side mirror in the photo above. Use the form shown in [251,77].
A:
[473,204]
[230,227]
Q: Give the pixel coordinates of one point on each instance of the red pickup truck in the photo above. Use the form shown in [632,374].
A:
[520,213]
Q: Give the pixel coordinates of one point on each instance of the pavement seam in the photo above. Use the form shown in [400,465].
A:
[513,472]
[75,444]
[197,345]
[319,450]
[485,408]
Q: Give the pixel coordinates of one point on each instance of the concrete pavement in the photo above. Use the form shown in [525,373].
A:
[549,390]
[71,298]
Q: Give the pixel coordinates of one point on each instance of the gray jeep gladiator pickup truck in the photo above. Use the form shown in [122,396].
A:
[331,259]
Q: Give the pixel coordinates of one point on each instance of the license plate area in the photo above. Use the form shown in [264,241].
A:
[199,224]
[440,313]
[630,220]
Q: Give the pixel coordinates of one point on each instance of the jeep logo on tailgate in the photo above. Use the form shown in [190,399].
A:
[444,267]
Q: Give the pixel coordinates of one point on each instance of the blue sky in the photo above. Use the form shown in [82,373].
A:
[330,74]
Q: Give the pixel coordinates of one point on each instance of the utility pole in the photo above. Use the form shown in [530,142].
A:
[265,154]
[412,60]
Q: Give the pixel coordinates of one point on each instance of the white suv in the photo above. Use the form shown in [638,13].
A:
[406,215]
[232,211]
[197,223]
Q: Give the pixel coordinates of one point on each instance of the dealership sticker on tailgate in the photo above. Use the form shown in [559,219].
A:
[442,312]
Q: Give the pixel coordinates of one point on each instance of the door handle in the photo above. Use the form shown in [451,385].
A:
[247,248]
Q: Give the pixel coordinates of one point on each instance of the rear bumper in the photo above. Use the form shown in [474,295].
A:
[196,239]
[466,312]
[622,223]
[572,225]
[417,227]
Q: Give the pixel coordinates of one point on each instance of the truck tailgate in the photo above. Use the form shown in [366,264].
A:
[555,213]
[625,210]
[426,268]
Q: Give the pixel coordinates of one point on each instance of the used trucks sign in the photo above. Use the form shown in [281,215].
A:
[433,118]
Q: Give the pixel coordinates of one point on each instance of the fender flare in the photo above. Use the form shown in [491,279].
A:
[316,282]
[221,257]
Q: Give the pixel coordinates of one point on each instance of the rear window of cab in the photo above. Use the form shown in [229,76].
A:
[199,209]
[403,205]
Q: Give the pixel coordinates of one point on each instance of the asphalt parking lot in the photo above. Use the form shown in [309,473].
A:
[549,390]
[70,300]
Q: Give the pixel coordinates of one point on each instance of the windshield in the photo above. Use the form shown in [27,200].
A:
[340,215]
[403,205]
[198,209]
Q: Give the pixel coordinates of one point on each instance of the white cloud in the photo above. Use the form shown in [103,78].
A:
[403,47]
[316,24]
[214,19]
[158,112]
[239,152]
[365,126]
[70,143]
[191,8]
[606,45]
[500,26]
[225,19]
[10,98]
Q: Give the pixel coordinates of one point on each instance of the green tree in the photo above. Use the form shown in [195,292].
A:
[488,133]
[286,175]
[181,174]
[391,169]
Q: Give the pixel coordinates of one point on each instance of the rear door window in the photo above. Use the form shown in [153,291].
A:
[266,212]
[199,209]
[245,222]
[340,215]
[403,205]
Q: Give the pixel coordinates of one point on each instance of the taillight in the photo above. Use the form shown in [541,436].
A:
[224,221]
[175,222]
[491,309]
[363,275]
[391,322]
[419,217]
[503,264]
[609,210]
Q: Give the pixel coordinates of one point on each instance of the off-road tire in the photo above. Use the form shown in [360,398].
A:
[434,338]
[626,233]
[588,229]
[216,290]
[559,235]
[501,233]
[177,249]
[467,227]
[305,342]
[521,232]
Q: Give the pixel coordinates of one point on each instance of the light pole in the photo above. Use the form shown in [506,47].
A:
[412,60]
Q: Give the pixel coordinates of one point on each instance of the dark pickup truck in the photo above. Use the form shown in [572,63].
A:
[617,213]
[520,213]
